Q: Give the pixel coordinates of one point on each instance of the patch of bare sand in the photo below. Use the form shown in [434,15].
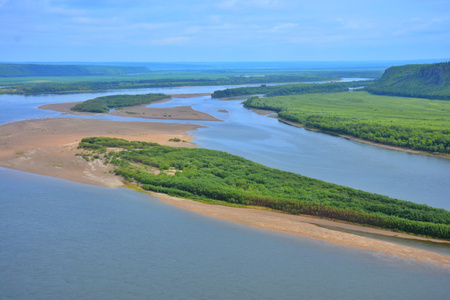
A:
[48,147]
[311,227]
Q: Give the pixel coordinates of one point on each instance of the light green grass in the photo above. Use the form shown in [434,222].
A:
[407,122]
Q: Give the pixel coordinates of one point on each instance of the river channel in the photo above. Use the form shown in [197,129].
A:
[64,240]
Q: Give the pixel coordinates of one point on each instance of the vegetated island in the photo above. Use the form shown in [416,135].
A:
[106,103]
[219,177]
[291,89]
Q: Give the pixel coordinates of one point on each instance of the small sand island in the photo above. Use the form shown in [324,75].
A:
[49,147]
[143,111]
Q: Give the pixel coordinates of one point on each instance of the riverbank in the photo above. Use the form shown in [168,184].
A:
[264,112]
[48,147]
[349,137]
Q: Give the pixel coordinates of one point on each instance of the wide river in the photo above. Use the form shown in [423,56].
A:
[64,240]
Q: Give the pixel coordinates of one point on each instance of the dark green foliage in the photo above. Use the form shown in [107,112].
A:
[431,81]
[204,174]
[292,89]
[104,104]
[17,70]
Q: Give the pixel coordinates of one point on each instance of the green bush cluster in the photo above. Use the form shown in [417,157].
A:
[204,174]
[106,103]
[291,89]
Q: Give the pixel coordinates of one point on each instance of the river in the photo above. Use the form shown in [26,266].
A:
[60,239]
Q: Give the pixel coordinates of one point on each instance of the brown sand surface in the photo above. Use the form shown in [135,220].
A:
[314,228]
[48,147]
[142,111]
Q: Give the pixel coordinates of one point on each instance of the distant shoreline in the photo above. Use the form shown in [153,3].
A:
[48,147]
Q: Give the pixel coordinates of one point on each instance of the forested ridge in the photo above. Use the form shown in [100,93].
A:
[431,81]
[106,103]
[21,70]
[210,175]
[411,123]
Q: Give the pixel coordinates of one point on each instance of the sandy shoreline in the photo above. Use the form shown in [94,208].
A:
[48,147]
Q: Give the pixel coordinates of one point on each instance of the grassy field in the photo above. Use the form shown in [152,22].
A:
[412,123]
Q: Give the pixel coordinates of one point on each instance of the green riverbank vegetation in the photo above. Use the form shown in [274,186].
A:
[219,177]
[106,103]
[410,123]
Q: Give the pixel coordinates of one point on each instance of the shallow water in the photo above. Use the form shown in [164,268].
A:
[64,240]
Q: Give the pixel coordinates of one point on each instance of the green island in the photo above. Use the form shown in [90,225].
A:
[106,103]
[219,177]
[411,123]
[290,89]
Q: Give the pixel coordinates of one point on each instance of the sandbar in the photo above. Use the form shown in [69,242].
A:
[48,147]
[141,111]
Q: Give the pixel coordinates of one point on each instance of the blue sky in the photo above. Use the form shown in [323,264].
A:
[223,30]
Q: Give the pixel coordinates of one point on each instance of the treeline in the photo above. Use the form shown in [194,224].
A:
[291,89]
[416,124]
[431,81]
[106,103]
[22,70]
[208,175]
[34,88]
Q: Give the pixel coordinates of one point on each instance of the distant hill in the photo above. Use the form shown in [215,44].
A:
[431,81]
[22,70]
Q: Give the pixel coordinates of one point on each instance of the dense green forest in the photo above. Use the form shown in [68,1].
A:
[431,81]
[210,175]
[22,70]
[411,123]
[280,90]
[104,104]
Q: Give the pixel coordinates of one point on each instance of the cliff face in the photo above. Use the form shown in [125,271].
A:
[430,81]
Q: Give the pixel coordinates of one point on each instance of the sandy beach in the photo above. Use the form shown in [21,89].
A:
[48,147]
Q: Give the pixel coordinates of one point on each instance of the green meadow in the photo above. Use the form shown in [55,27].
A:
[412,123]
